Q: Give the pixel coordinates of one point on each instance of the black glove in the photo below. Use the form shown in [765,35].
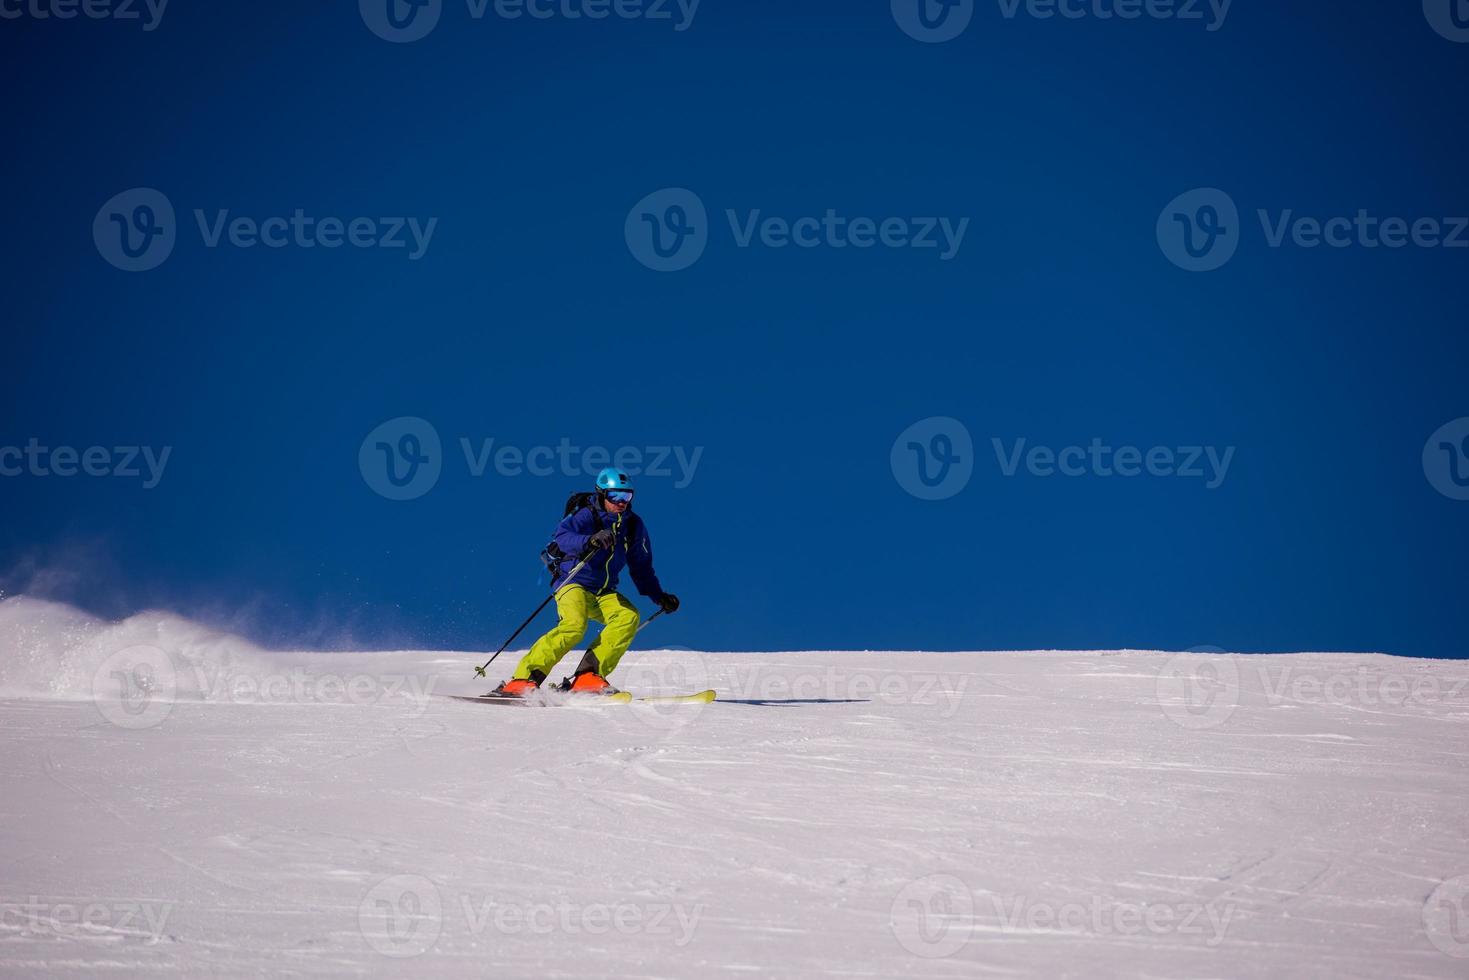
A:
[602,539]
[668,603]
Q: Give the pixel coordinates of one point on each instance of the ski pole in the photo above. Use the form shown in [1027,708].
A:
[480,671]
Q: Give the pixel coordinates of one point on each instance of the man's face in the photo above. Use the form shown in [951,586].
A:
[616,506]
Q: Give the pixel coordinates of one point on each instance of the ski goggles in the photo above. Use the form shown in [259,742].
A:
[620,496]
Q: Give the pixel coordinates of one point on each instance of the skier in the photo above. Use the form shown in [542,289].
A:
[604,523]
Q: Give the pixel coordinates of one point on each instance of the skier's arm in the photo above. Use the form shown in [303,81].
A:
[640,564]
[574,530]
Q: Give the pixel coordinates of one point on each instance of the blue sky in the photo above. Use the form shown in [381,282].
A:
[462,233]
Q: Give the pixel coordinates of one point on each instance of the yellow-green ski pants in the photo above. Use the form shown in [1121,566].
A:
[575,605]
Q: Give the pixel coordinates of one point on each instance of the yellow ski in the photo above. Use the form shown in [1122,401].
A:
[703,697]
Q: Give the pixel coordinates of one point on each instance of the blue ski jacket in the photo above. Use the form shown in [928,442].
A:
[631,548]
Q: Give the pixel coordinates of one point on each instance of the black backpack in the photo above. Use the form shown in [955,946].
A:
[551,555]
[578,500]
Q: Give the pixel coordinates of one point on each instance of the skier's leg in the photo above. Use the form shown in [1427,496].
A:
[622,619]
[573,606]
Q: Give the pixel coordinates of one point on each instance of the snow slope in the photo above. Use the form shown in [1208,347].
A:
[177,802]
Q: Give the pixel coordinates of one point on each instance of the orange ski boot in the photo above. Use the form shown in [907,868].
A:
[590,682]
[517,688]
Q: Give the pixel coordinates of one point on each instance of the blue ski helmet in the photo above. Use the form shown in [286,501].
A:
[613,479]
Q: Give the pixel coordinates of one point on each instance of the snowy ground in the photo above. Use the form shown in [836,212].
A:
[177,802]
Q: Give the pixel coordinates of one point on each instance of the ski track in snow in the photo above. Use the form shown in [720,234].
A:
[869,814]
